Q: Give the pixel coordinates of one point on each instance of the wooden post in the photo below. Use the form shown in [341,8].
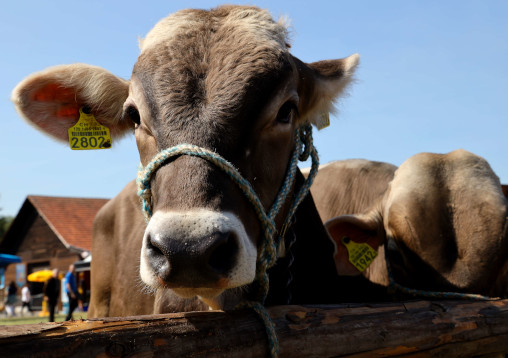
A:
[419,328]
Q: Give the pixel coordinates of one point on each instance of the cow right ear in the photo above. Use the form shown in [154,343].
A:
[321,84]
[357,229]
[50,100]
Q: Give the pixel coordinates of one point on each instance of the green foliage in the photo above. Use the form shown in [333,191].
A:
[5,222]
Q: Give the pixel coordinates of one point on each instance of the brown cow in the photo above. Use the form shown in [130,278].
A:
[444,222]
[349,186]
[223,80]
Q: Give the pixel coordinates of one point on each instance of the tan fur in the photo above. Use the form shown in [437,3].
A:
[217,79]
[249,20]
[350,186]
[459,227]
[444,219]
[118,230]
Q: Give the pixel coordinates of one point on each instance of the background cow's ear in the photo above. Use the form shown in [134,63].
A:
[355,228]
[321,84]
[50,99]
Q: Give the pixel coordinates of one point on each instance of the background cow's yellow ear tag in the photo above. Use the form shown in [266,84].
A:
[360,255]
[88,134]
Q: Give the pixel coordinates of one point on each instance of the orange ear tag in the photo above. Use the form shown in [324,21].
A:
[88,134]
[360,255]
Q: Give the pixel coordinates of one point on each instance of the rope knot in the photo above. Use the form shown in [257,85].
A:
[305,137]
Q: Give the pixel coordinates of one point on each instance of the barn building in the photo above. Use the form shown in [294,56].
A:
[50,232]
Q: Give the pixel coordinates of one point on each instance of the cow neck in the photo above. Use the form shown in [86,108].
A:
[394,286]
[269,246]
[306,274]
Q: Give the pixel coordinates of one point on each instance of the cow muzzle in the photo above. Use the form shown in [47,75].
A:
[198,252]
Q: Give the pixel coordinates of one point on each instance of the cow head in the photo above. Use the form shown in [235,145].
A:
[223,80]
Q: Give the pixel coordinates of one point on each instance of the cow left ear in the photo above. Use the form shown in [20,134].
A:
[50,99]
[353,228]
[321,84]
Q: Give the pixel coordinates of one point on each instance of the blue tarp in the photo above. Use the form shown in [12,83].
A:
[6,259]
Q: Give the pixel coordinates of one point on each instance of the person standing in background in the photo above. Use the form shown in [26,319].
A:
[51,294]
[82,299]
[11,299]
[71,288]
[26,297]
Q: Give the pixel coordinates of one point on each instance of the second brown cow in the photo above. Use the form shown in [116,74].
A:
[443,223]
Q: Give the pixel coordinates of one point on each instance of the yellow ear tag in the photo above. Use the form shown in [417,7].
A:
[88,134]
[360,255]
[323,120]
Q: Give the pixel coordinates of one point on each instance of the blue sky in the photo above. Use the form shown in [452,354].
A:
[433,77]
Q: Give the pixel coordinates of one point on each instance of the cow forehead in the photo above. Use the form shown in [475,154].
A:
[242,21]
[211,65]
[222,46]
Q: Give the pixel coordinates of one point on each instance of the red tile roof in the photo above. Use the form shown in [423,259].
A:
[70,218]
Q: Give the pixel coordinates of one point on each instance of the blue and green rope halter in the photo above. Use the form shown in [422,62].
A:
[270,245]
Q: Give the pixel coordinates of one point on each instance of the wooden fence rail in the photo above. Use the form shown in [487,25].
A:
[419,328]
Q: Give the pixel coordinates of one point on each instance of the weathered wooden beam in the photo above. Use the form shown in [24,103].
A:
[419,328]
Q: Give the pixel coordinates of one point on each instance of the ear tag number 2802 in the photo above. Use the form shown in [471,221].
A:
[88,134]
[360,255]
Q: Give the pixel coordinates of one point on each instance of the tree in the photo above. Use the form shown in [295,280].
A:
[5,222]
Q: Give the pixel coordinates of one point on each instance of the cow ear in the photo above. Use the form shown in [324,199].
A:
[357,229]
[321,84]
[50,99]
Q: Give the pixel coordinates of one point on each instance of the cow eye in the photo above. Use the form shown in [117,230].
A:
[133,114]
[286,112]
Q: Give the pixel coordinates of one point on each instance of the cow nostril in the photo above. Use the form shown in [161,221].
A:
[223,256]
[157,256]
[153,248]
